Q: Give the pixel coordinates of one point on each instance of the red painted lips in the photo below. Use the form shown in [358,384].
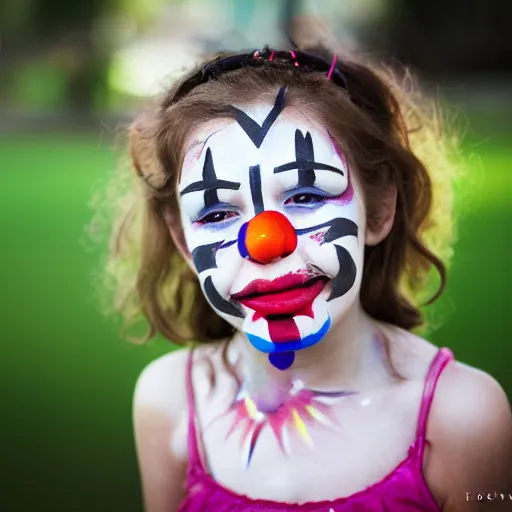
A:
[286,295]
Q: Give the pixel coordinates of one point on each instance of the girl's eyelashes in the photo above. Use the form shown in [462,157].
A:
[221,215]
[308,197]
[304,199]
[216,217]
[216,214]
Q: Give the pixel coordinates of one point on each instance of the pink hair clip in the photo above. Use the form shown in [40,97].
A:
[294,58]
[331,69]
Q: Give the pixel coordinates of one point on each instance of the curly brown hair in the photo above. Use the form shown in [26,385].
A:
[392,137]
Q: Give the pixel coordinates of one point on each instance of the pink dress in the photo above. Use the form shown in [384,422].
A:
[402,490]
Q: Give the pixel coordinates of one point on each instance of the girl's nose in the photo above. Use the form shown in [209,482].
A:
[267,237]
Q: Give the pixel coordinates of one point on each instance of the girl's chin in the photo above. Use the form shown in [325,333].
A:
[284,333]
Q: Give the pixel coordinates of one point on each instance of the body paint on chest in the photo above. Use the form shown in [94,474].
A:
[302,410]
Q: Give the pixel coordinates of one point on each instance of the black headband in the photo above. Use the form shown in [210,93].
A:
[303,61]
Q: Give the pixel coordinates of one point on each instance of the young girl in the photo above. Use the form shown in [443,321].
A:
[289,210]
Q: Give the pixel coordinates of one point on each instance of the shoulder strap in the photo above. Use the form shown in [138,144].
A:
[193,447]
[439,363]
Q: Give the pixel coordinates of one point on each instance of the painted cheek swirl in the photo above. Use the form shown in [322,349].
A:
[346,276]
[204,259]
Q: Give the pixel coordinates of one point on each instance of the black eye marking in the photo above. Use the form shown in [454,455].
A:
[210,183]
[228,244]
[346,276]
[204,259]
[254,131]
[256,193]
[204,256]
[222,305]
[338,228]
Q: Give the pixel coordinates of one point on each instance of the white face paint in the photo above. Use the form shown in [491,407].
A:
[290,303]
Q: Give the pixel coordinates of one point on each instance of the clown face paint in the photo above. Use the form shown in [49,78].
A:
[270,163]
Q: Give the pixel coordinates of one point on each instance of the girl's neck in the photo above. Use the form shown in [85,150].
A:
[351,357]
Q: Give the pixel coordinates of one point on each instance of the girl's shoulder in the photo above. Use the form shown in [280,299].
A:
[162,383]
[161,403]
[461,389]
[469,424]
[469,406]
[470,431]
[458,383]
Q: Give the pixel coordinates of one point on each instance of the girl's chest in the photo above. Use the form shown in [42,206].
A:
[310,453]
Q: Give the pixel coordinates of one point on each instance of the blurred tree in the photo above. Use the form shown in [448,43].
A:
[289,9]
[62,34]
[69,27]
[73,40]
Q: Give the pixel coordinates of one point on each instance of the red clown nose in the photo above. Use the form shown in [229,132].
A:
[266,237]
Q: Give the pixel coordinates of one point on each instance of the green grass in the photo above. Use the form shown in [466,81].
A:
[68,377]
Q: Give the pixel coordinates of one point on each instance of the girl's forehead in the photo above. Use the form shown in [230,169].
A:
[232,147]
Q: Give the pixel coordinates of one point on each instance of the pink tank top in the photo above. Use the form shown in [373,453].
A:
[402,490]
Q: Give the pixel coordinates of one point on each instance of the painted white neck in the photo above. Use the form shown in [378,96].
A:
[349,358]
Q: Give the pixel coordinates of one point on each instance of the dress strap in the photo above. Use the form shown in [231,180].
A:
[439,363]
[194,458]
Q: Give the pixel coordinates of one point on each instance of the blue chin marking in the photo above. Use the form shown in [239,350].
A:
[268,347]
[282,360]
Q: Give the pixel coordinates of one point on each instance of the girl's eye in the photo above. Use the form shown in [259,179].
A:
[215,217]
[307,199]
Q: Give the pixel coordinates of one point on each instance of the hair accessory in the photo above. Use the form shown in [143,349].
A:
[309,63]
[333,65]
[294,55]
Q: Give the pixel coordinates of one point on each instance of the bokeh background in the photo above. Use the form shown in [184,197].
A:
[71,75]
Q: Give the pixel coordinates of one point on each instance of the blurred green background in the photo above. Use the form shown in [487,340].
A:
[72,75]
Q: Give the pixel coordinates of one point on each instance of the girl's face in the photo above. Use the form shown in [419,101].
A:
[286,164]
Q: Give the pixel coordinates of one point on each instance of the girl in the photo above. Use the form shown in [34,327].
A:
[288,214]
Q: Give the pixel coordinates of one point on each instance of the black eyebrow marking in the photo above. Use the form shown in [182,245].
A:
[210,183]
[307,166]
[253,130]
[305,161]
[255,183]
